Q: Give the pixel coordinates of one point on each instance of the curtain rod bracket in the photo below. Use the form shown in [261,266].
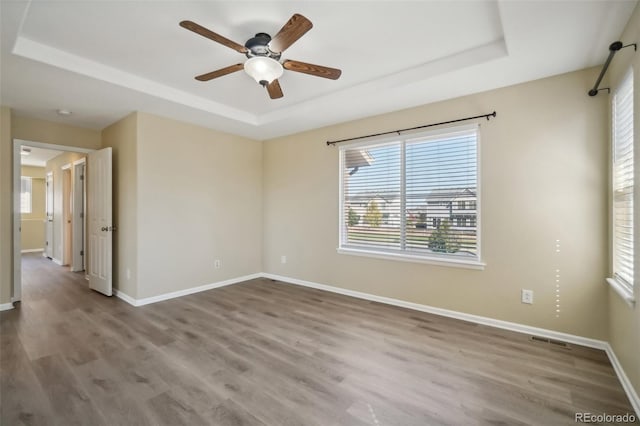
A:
[613,48]
[487,116]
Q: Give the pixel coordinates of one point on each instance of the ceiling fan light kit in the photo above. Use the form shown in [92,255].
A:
[263,53]
[263,69]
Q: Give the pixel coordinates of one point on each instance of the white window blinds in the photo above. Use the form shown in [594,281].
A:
[415,195]
[623,182]
[25,194]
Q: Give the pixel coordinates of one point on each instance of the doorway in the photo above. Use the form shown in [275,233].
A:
[64,210]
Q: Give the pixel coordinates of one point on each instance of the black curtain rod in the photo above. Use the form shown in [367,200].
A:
[613,48]
[487,116]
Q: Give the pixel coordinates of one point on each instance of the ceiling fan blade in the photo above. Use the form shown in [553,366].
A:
[311,69]
[295,28]
[219,73]
[198,29]
[274,89]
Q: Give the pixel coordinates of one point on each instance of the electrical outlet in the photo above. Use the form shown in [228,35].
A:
[283,259]
[217,264]
[527,296]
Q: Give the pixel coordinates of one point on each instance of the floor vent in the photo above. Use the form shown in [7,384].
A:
[551,342]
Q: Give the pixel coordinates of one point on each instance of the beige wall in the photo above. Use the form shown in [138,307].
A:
[55,166]
[199,199]
[32,224]
[543,178]
[122,137]
[624,321]
[6,209]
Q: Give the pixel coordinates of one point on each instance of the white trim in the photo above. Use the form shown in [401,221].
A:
[6,306]
[506,325]
[622,291]
[66,166]
[66,148]
[185,292]
[624,380]
[57,261]
[124,296]
[406,257]
[31,250]
[82,160]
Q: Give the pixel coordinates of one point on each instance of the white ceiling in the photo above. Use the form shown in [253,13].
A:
[38,157]
[104,59]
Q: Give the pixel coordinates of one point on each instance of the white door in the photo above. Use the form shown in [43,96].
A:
[100,214]
[48,245]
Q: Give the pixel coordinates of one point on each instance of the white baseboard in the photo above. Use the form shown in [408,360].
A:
[179,293]
[56,261]
[506,325]
[6,306]
[624,380]
[124,296]
[31,250]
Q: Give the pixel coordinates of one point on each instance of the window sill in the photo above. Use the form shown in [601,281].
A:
[454,263]
[622,291]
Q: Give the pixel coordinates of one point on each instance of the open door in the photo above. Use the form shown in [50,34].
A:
[100,214]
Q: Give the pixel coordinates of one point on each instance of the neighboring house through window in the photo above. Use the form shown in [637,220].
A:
[412,197]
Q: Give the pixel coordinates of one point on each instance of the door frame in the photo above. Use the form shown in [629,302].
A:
[17,252]
[67,209]
[48,226]
[79,196]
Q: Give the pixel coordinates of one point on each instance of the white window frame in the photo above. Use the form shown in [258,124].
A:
[22,195]
[378,253]
[621,286]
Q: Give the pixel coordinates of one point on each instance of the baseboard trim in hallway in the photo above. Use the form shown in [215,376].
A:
[32,250]
[5,306]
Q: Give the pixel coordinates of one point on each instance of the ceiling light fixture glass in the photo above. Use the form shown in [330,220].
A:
[263,69]
[63,112]
[25,151]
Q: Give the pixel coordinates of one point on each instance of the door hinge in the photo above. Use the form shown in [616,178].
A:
[81,177]
[46,243]
[81,215]
[81,252]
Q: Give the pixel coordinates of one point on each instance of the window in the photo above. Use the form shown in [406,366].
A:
[432,173]
[623,187]
[25,194]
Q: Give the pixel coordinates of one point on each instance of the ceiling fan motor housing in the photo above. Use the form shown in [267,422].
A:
[259,46]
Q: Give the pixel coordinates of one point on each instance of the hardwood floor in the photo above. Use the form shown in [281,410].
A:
[267,353]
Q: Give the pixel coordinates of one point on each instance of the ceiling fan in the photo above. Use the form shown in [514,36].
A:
[263,53]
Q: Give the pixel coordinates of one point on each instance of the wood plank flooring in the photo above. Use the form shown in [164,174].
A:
[269,353]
